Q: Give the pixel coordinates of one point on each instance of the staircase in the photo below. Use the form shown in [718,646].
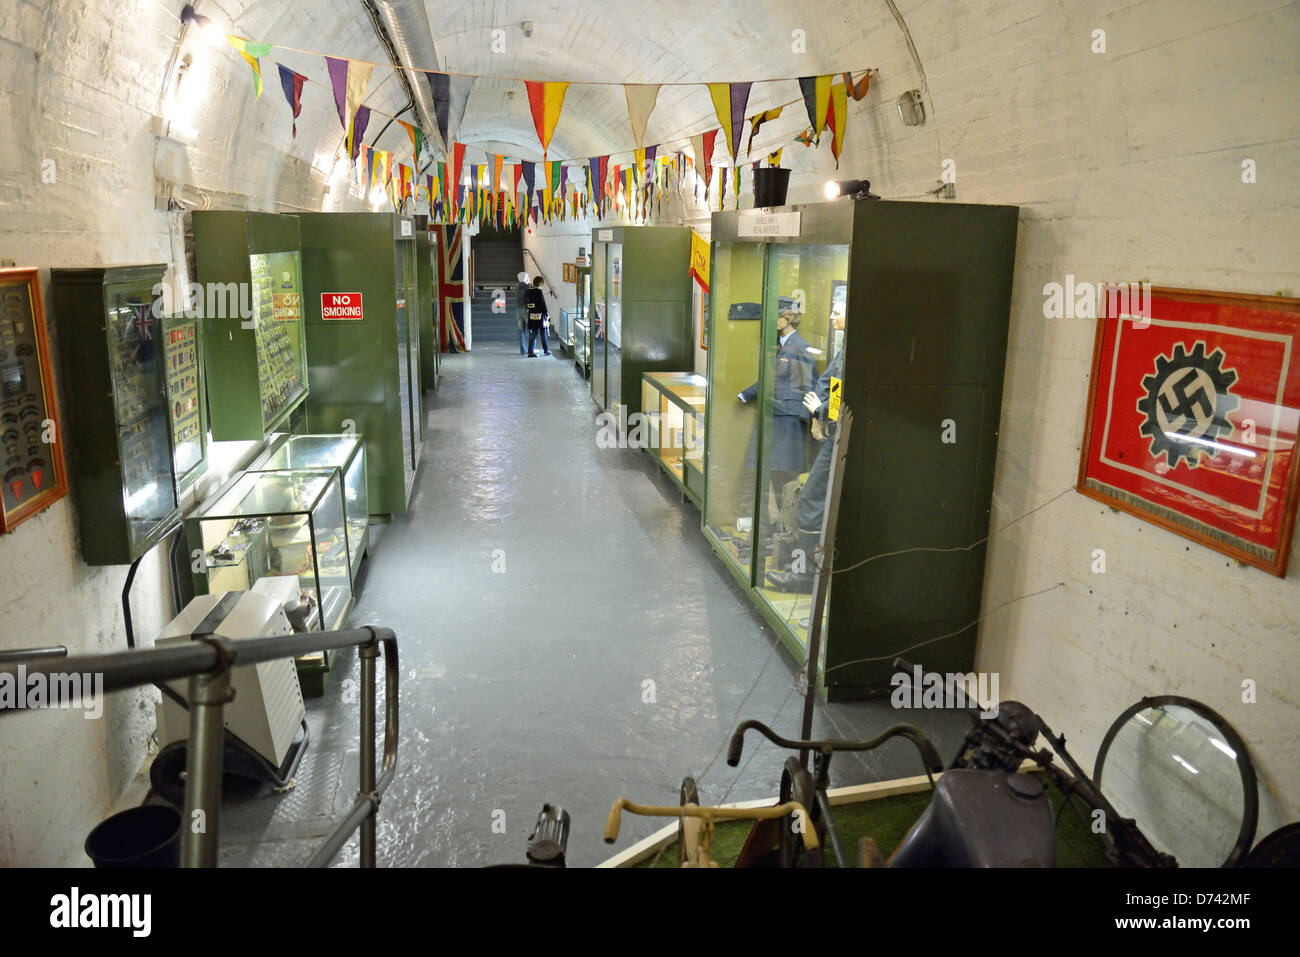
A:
[498,261]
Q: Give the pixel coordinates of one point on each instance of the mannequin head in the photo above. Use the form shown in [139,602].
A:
[787,320]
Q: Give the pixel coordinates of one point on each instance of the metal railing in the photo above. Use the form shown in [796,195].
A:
[207,662]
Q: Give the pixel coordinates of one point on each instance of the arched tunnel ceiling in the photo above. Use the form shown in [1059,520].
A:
[609,42]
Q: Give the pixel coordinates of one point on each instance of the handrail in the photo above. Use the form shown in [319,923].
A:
[16,655]
[547,279]
[207,662]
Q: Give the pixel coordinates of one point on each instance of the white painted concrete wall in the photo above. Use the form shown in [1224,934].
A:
[1124,163]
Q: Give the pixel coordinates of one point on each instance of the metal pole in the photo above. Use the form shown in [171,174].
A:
[822,571]
[368,654]
[205,766]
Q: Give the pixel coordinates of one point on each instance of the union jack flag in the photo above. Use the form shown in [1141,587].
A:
[451,289]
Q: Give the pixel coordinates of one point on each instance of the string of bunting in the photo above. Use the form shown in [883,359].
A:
[487,196]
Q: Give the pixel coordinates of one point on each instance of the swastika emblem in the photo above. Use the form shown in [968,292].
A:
[1186,405]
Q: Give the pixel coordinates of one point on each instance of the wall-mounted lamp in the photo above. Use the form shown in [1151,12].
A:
[857,188]
[206,27]
[911,108]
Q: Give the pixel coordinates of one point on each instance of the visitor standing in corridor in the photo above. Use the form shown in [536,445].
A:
[537,318]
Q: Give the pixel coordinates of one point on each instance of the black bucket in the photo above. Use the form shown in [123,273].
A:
[770,185]
[146,836]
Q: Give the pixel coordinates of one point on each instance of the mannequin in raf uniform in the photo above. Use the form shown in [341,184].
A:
[793,375]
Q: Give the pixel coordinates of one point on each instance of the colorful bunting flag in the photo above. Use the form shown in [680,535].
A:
[545,101]
[758,120]
[817,98]
[417,139]
[702,144]
[838,119]
[641,98]
[250,52]
[291,83]
[858,90]
[729,102]
[357,130]
[774,159]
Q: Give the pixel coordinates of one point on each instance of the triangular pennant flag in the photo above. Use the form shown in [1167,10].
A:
[729,102]
[357,130]
[530,180]
[641,99]
[774,159]
[250,52]
[457,161]
[292,83]
[417,139]
[545,101]
[722,188]
[758,120]
[838,119]
[497,162]
[736,186]
[440,88]
[817,98]
[857,90]
[349,79]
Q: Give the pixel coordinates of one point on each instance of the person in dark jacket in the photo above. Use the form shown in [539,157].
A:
[538,316]
[793,375]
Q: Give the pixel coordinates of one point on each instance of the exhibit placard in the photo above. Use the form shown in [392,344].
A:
[769,224]
[341,306]
[604,235]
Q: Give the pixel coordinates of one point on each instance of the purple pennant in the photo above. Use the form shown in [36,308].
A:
[650,153]
[739,100]
[359,129]
[339,81]
[291,83]
[530,176]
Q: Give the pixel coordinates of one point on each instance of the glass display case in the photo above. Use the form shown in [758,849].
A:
[673,404]
[363,348]
[582,344]
[288,522]
[640,311]
[187,404]
[807,308]
[347,453]
[250,268]
[114,382]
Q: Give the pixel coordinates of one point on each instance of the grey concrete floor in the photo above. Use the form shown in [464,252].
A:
[566,636]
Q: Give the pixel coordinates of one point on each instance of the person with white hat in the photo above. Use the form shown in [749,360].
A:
[521,311]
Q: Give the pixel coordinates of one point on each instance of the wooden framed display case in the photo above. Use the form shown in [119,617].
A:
[118,421]
[582,344]
[249,268]
[359,274]
[901,309]
[673,405]
[426,279]
[30,435]
[347,453]
[286,522]
[640,313]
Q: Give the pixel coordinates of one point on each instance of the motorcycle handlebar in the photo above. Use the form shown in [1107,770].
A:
[929,754]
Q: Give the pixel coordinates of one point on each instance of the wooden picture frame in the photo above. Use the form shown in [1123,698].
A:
[570,272]
[1191,419]
[31,435]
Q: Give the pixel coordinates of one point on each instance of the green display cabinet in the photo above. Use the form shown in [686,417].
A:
[249,268]
[287,522]
[569,334]
[910,303]
[426,278]
[640,311]
[115,386]
[347,454]
[363,343]
[673,404]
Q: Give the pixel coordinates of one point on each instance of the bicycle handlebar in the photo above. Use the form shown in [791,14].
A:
[929,755]
[711,814]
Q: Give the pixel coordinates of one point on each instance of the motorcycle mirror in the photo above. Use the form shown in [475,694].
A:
[1182,772]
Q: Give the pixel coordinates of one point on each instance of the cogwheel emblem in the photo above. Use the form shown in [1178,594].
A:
[1187,402]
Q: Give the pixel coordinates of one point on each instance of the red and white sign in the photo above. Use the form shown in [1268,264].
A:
[341,305]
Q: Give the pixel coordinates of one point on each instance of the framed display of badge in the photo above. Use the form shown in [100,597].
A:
[1193,411]
[31,448]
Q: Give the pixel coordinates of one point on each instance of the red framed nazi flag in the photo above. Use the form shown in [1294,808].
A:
[1193,411]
